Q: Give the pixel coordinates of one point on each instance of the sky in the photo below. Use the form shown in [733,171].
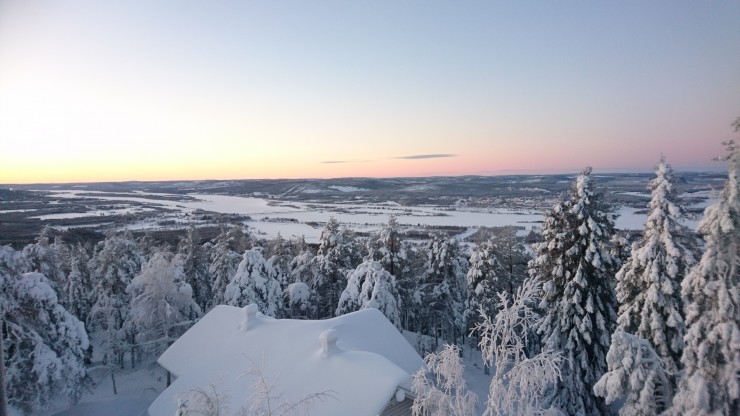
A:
[176,90]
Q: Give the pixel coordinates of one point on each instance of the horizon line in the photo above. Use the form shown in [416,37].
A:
[507,172]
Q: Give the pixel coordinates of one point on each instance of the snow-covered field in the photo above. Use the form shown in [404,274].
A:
[296,219]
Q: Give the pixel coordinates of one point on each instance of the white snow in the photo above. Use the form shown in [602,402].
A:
[347,188]
[370,361]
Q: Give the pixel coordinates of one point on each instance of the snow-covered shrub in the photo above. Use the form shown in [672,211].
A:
[445,393]
[161,302]
[519,382]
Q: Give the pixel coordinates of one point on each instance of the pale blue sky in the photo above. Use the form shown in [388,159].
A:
[274,88]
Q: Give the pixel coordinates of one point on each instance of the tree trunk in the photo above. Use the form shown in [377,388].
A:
[113,379]
[169,378]
[3,399]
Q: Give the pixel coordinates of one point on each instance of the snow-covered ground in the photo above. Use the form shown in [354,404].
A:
[296,219]
[136,390]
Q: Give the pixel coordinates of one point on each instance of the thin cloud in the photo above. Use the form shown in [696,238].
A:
[428,156]
[330,162]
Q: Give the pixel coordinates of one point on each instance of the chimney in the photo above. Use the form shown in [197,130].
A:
[249,317]
[328,340]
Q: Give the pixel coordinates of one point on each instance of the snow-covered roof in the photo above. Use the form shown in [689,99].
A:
[362,371]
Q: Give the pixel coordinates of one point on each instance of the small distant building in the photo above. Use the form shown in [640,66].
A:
[360,360]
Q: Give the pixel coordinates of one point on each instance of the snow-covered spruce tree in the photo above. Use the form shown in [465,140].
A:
[162,304]
[44,258]
[575,269]
[254,282]
[304,271]
[239,238]
[371,286]
[512,255]
[635,375]
[336,258]
[297,301]
[387,248]
[441,291]
[112,268]
[281,254]
[485,280]
[711,293]
[648,284]
[44,345]
[194,260]
[76,289]
[519,382]
[446,393]
[223,265]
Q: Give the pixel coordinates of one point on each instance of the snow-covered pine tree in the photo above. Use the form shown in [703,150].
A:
[711,293]
[223,265]
[44,345]
[162,304]
[486,278]
[115,263]
[575,268]
[371,286]
[194,260]
[337,256]
[254,282]
[441,292]
[636,376]
[648,284]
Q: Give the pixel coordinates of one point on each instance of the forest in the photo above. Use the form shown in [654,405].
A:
[650,320]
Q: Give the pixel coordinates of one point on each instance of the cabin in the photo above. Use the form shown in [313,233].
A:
[358,364]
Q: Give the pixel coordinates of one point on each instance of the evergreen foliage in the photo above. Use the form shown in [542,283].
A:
[636,376]
[76,289]
[254,282]
[112,268]
[711,294]
[337,256]
[485,278]
[194,261]
[371,286]
[441,290]
[575,268]
[223,265]
[648,284]
[44,345]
